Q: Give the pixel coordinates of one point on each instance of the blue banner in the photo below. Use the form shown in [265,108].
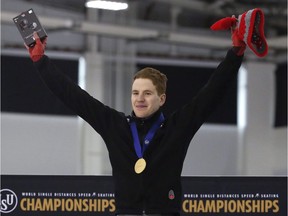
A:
[94,195]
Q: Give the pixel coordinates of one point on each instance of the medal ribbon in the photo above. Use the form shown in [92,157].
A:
[148,137]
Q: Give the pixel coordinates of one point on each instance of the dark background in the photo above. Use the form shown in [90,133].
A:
[22,90]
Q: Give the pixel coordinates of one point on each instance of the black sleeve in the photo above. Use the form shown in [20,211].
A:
[194,114]
[90,109]
[212,93]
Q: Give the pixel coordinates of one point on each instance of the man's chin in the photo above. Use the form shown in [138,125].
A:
[141,114]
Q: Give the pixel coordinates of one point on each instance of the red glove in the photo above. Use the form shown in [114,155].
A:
[226,23]
[37,51]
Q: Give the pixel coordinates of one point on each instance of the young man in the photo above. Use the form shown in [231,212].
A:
[146,150]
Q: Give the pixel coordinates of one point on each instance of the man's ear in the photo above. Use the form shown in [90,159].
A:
[162,99]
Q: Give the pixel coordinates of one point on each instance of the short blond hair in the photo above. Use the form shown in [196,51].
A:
[158,79]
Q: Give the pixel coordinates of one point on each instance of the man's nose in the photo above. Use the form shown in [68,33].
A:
[140,97]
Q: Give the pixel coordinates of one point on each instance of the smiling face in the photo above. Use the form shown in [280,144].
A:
[145,98]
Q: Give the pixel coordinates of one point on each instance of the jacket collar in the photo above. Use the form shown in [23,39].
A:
[149,119]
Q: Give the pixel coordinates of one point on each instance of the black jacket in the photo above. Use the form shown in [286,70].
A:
[158,188]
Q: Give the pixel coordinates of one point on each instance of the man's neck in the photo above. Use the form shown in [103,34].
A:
[148,118]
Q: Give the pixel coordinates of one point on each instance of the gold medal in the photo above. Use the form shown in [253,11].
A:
[140,165]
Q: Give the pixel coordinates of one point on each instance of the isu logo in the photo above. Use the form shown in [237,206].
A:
[8,201]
